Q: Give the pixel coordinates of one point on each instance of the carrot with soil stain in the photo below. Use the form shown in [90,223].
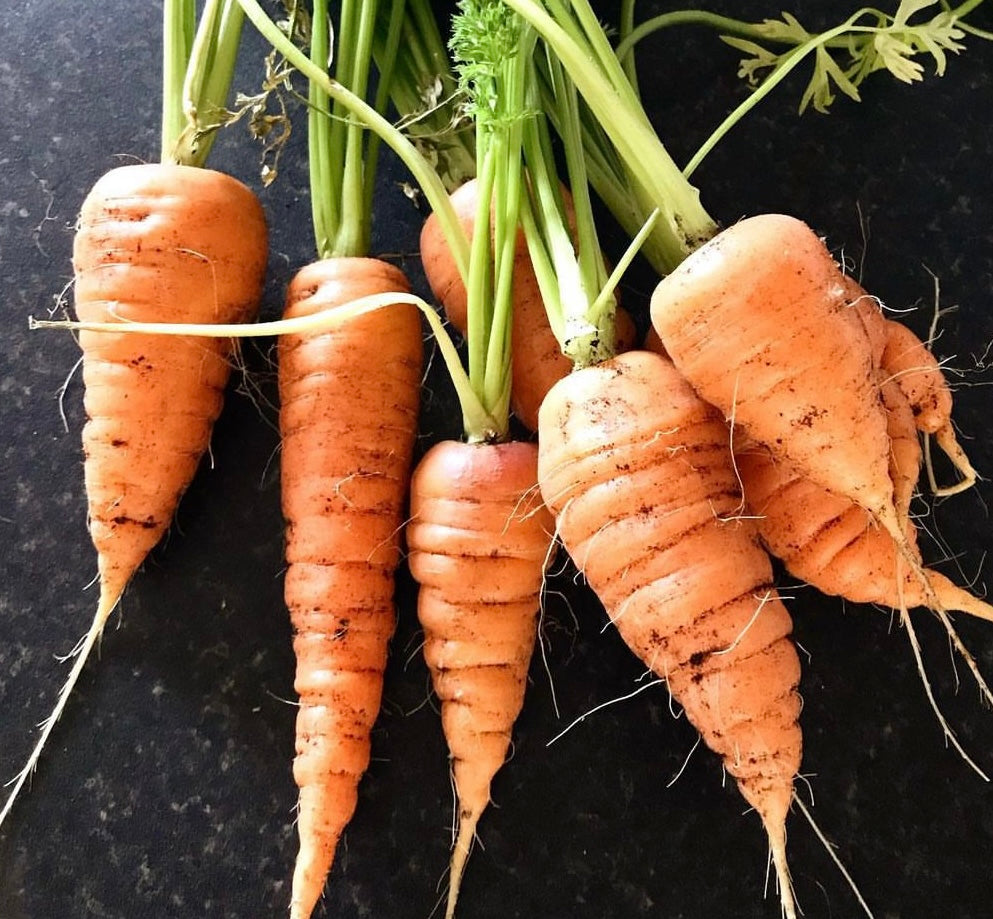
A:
[158,242]
[349,399]
[637,469]
[769,286]
[348,418]
[479,539]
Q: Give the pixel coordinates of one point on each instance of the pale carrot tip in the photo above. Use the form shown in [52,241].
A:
[777,842]
[949,444]
[460,855]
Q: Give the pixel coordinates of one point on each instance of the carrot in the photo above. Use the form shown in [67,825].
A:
[832,544]
[156,242]
[638,472]
[919,376]
[479,540]
[769,285]
[537,361]
[167,241]
[907,360]
[478,534]
[349,400]
[348,420]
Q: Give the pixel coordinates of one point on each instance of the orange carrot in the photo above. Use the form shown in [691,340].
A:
[348,420]
[637,469]
[758,321]
[919,375]
[538,362]
[832,543]
[905,358]
[162,243]
[157,242]
[479,540]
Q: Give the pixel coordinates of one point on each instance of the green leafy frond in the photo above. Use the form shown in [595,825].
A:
[846,55]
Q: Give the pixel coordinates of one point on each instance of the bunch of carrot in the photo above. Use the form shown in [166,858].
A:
[669,477]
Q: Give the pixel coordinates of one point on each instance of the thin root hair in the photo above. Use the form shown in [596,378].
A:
[602,705]
[686,762]
[763,600]
[829,847]
[63,389]
[543,649]
[946,729]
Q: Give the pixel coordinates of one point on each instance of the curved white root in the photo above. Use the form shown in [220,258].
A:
[834,855]
[81,652]
[945,438]
[949,734]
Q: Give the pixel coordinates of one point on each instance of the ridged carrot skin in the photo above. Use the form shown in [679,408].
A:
[479,539]
[538,361]
[348,419]
[154,243]
[759,321]
[158,243]
[637,469]
[832,543]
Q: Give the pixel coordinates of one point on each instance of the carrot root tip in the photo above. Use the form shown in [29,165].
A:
[460,856]
[81,652]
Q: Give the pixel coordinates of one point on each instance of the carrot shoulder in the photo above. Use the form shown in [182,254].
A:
[479,541]
[348,419]
[638,472]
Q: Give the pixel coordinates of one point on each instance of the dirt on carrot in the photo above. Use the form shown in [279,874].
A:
[348,420]
[638,471]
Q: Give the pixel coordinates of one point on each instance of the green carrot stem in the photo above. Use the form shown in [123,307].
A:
[421,170]
[178,24]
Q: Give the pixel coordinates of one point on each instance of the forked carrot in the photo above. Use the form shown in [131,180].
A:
[159,242]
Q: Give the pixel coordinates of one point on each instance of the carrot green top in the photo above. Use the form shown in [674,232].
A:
[491,48]
[423,89]
[198,64]
[629,166]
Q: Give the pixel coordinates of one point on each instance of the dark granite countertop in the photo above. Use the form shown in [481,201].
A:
[166,789]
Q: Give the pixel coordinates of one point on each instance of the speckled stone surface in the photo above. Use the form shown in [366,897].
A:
[166,789]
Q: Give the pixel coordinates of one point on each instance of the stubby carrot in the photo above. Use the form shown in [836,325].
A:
[158,242]
[166,243]
[638,471]
[479,538]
